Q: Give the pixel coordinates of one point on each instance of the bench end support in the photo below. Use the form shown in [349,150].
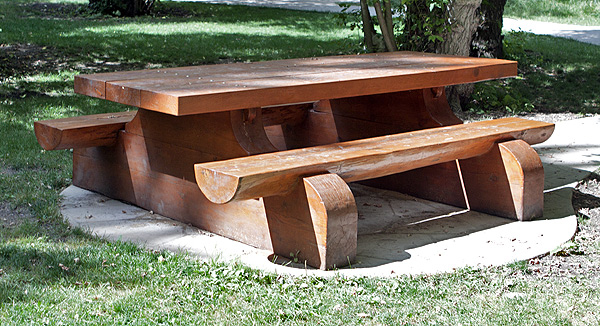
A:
[508,181]
[316,223]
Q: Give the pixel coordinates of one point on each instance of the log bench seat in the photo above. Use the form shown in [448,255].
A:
[316,178]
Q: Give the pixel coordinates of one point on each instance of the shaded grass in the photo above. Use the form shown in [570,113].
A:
[79,280]
[579,12]
[555,75]
[207,34]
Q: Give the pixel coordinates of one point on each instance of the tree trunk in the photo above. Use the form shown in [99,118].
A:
[464,15]
[385,23]
[487,41]
[368,29]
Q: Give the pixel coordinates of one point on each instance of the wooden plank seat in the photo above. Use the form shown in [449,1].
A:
[498,146]
[81,132]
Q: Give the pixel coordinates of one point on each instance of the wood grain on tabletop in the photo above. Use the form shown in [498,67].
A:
[212,88]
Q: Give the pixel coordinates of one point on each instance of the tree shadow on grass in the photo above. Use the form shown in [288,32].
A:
[558,75]
[212,32]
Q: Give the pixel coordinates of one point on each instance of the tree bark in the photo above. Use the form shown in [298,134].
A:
[368,29]
[390,42]
[487,41]
[464,15]
[389,24]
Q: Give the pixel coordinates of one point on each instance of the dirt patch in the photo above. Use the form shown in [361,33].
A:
[25,59]
[56,10]
[161,11]
[581,256]
[18,60]
[13,217]
[83,11]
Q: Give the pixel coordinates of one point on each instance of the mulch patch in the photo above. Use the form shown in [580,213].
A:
[581,256]
[26,59]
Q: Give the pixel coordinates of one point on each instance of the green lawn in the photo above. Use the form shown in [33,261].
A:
[555,75]
[578,12]
[51,274]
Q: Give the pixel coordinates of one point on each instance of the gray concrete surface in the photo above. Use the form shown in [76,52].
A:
[398,234]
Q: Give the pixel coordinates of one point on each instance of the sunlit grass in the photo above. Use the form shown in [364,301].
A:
[109,283]
[578,12]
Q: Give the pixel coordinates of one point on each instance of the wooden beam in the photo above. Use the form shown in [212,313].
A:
[277,173]
[292,114]
[81,132]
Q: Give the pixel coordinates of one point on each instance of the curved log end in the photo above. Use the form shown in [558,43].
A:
[539,133]
[218,187]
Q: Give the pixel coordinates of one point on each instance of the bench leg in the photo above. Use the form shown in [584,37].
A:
[316,222]
[508,181]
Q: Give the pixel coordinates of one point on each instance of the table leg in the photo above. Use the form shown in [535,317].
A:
[152,166]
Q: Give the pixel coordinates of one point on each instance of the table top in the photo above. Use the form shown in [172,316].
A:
[225,87]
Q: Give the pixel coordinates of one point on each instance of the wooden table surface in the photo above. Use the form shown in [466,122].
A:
[225,87]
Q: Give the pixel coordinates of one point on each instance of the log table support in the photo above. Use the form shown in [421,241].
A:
[152,166]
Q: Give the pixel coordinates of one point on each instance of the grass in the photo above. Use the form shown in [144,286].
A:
[51,274]
[555,75]
[578,12]
[86,280]
[204,34]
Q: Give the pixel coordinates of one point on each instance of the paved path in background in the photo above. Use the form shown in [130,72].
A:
[588,34]
[314,5]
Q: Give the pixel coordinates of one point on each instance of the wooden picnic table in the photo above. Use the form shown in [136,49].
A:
[262,152]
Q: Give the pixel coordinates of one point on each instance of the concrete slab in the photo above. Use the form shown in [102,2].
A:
[398,234]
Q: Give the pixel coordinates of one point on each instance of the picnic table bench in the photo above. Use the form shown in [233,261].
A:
[263,152]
